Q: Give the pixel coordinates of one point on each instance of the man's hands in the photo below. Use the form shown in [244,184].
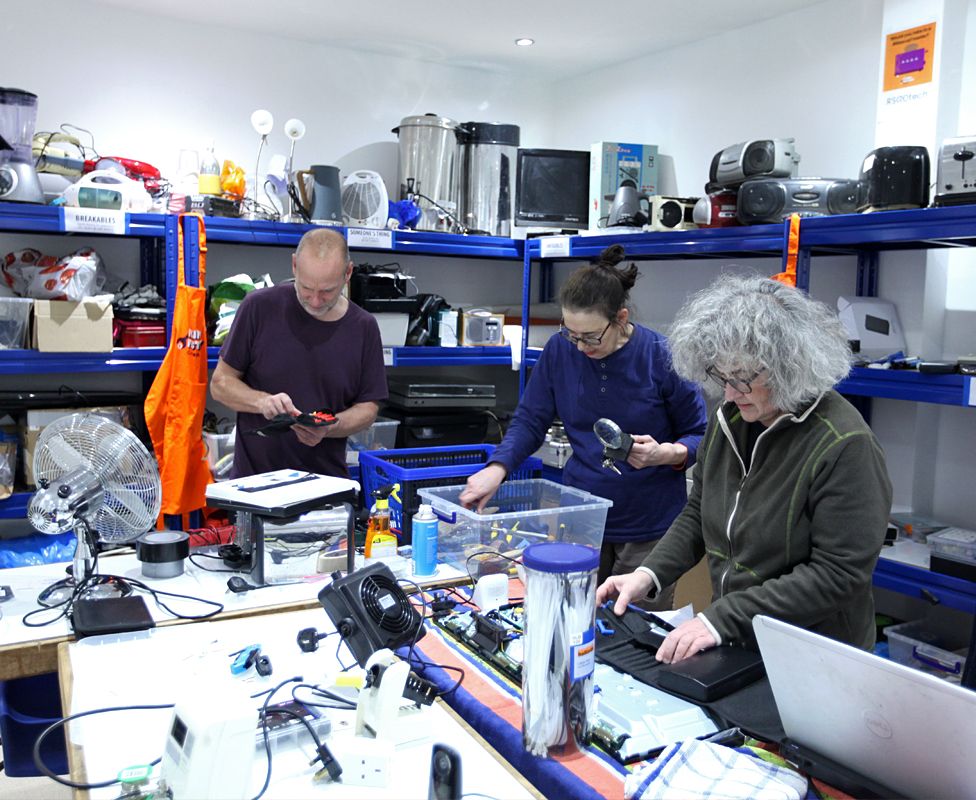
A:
[649,452]
[687,639]
[481,486]
[272,405]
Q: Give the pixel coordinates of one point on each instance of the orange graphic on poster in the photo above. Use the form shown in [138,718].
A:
[909,56]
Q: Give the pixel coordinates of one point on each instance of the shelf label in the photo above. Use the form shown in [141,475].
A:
[94,220]
[387,356]
[970,391]
[376,238]
[553,246]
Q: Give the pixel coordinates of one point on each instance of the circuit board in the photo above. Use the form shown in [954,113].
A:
[495,636]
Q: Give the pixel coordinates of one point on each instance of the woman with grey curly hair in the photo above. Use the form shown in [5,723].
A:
[791,494]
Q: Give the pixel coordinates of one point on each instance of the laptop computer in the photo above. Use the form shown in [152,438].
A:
[849,714]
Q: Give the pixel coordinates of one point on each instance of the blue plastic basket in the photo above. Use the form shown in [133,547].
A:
[27,707]
[420,467]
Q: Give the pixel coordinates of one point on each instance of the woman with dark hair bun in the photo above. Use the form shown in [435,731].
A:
[602,364]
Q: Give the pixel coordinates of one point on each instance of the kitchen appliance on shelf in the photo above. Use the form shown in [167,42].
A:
[893,178]
[18,178]
[323,198]
[487,182]
[956,183]
[626,209]
[427,172]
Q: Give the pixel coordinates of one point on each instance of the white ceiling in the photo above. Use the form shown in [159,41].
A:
[572,37]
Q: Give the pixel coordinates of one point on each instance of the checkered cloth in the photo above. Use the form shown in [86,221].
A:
[694,769]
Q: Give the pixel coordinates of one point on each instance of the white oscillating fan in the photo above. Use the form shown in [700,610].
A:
[365,201]
[95,477]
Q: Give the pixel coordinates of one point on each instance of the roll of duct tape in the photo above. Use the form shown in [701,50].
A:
[162,553]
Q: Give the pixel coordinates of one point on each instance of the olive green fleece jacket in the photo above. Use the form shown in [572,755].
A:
[794,534]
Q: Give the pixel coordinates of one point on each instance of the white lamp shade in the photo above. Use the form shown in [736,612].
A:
[262,121]
[294,129]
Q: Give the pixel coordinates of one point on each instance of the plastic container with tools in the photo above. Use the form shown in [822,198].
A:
[419,467]
[522,513]
[922,645]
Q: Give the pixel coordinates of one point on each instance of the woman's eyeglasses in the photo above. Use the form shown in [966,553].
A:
[589,339]
[741,385]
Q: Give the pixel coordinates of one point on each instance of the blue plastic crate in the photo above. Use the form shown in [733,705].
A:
[27,707]
[421,467]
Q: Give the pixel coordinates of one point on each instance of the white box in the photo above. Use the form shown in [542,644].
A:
[613,162]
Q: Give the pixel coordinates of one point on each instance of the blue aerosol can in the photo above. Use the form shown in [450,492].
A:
[424,527]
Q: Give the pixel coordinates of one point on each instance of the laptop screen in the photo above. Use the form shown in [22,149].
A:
[897,726]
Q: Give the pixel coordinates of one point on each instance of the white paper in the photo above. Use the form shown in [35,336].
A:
[375,238]
[553,246]
[93,220]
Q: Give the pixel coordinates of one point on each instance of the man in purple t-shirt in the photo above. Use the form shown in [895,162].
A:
[297,348]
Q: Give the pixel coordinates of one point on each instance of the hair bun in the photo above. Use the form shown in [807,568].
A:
[611,256]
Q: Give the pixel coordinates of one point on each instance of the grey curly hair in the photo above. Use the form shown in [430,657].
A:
[748,323]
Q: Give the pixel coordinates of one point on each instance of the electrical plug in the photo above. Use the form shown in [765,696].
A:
[330,767]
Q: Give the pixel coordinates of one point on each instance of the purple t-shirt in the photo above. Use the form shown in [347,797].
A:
[280,347]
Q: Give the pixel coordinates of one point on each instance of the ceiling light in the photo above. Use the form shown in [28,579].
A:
[525,42]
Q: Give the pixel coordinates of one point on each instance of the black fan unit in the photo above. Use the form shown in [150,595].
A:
[371,611]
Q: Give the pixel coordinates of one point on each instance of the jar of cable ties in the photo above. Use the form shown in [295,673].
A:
[559,645]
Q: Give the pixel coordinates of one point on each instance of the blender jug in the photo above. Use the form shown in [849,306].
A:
[18,178]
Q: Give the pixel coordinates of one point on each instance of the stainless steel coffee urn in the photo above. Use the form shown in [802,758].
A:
[487,182]
[428,169]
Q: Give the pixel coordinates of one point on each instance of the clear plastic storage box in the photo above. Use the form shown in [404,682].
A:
[523,512]
[381,435]
[14,322]
[955,543]
[921,645]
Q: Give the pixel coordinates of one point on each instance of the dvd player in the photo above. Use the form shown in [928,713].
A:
[410,394]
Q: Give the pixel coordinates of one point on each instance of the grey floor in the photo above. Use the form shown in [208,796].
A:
[32,789]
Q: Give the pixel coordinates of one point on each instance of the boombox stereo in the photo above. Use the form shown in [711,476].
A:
[894,177]
[763,200]
[481,328]
[671,213]
[716,210]
[956,183]
[773,158]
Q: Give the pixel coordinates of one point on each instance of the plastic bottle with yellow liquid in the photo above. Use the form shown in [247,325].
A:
[209,180]
[381,542]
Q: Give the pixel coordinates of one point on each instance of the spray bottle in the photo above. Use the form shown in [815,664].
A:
[424,527]
[381,542]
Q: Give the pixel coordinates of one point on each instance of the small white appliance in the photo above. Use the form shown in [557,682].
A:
[872,322]
[108,189]
[671,214]
[365,201]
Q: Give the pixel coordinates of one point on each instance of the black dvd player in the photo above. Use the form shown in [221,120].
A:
[412,394]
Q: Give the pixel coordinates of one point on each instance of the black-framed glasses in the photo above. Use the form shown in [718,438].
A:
[741,385]
[589,339]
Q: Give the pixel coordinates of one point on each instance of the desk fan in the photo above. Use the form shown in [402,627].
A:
[96,477]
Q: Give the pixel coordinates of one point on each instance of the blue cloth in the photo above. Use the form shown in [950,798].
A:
[636,388]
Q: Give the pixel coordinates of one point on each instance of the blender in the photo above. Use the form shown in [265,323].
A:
[18,178]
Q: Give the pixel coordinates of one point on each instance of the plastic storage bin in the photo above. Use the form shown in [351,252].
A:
[524,512]
[218,446]
[918,644]
[381,435]
[14,322]
[422,467]
[27,707]
[954,552]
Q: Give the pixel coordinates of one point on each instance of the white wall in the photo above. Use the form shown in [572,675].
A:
[148,86]
[810,75]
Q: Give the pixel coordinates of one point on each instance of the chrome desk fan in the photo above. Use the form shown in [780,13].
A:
[95,477]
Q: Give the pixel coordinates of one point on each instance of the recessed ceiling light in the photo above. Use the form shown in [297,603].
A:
[525,42]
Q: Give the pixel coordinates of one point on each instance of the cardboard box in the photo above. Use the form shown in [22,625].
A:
[62,326]
[613,162]
[35,420]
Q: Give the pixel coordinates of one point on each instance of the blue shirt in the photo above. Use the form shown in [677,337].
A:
[636,388]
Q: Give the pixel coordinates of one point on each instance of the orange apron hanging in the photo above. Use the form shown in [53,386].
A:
[176,401]
[788,276]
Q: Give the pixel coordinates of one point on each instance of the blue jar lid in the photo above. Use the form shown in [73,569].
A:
[560,557]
